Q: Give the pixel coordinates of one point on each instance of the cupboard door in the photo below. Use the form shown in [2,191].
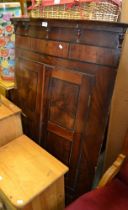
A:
[29,77]
[66,109]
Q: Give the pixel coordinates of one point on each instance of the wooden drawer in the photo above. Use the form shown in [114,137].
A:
[93,54]
[54,48]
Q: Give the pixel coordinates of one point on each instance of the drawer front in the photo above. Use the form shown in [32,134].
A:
[92,54]
[59,49]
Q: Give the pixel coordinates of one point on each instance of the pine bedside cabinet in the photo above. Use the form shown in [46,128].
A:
[30,178]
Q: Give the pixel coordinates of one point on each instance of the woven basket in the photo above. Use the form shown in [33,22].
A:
[103,11]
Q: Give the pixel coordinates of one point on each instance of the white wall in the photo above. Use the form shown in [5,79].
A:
[119,108]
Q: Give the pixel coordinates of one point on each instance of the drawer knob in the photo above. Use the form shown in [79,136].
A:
[60,46]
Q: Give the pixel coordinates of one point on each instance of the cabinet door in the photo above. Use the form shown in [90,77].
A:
[29,77]
[66,109]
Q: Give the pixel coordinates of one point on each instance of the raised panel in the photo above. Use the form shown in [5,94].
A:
[29,77]
[27,88]
[61,111]
[27,74]
[67,106]
[60,131]
[58,147]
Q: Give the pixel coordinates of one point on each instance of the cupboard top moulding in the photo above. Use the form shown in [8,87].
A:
[77,31]
[65,73]
[91,42]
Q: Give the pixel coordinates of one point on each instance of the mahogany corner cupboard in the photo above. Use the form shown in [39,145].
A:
[65,73]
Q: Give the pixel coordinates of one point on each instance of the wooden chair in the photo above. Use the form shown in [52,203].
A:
[112,190]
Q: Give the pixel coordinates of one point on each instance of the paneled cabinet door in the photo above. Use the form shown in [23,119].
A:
[66,108]
[29,82]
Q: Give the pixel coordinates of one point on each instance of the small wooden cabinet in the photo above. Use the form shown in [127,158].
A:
[30,178]
[65,73]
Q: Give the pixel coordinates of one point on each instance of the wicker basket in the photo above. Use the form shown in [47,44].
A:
[88,11]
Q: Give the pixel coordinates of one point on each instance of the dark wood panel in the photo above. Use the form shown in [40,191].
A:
[99,38]
[59,147]
[27,83]
[61,111]
[106,39]
[60,131]
[29,127]
[67,107]
[27,95]
[71,76]
[23,42]
[86,176]
[104,56]
[98,117]
[84,67]
[62,23]
[86,53]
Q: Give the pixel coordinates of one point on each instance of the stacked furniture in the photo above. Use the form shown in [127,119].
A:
[30,178]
